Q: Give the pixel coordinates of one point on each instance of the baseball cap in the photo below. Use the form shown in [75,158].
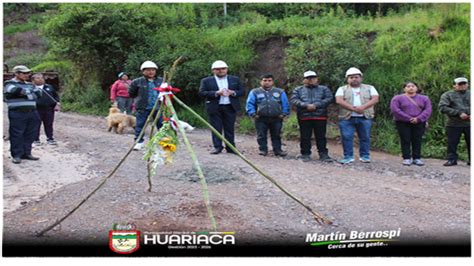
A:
[21,68]
[460,80]
[308,74]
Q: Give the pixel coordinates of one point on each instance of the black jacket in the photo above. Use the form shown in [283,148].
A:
[208,89]
[49,98]
[139,90]
[321,96]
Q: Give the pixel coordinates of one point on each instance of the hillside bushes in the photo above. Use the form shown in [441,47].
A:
[428,44]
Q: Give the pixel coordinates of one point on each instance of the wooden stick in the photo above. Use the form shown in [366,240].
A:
[47,229]
[318,217]
[205,190]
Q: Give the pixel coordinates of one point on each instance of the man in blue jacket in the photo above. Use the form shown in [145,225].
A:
[268,106]
[21,96]
[311,101]
[222,93]
[142,89]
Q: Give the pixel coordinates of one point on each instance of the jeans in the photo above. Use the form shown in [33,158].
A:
[274,124]
[454,136]
[307,127]
[142,116]
[23,128]
[410,139]
[348,127]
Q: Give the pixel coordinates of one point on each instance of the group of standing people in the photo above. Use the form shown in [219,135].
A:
[269,105]
[311,101]
[30,104]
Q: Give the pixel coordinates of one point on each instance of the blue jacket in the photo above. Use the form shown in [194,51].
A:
[209,87]
[271,103]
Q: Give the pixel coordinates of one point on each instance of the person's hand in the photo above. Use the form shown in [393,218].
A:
[221,92]
[281,116]
[57,108]
[358,109]
[311,107]
[230,92]
[464,116]
[255,117]
[414,120]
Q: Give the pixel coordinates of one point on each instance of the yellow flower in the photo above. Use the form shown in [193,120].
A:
[168,146]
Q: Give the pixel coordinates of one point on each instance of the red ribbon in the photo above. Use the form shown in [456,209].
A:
[167,89]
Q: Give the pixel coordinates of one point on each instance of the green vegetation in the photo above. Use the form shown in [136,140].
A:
[390,43]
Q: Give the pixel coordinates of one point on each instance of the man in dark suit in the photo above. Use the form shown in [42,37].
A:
[222,93]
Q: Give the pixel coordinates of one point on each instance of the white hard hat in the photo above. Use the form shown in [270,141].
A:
[353,71]
[308,74]
[148,64]
[219,64]
[460,80]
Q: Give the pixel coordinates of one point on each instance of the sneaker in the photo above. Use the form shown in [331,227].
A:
[37,143]
[139,146]
[365,159]
[305,158]
[418,162]
[346,160]
[263,153]
[325,158]
[407,162]
[51,142]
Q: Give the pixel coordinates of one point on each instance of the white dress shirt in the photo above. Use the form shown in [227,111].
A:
[223,85]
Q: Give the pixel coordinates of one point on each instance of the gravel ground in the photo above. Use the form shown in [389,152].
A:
[427,203]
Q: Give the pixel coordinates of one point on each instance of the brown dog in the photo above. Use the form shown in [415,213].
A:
[119,121]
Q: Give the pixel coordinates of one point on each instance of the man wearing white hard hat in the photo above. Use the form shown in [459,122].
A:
[311,101]
[24,119]
[456,104]
[142,90]
[221,93]
[356,110]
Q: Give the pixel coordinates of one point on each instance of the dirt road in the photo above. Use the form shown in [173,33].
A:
[430,202]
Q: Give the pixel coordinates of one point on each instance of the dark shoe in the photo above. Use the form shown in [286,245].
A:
[450,163]
[305,158]
[16,160]
[230,151]
[280,153]
[325,158]
[216,151]
[30,157]
[263,153]
[468,162]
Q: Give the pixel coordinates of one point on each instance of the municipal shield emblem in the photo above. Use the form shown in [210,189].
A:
[124,241]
